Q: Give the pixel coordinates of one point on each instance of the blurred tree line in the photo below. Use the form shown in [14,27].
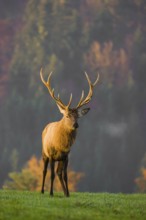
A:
[68,37]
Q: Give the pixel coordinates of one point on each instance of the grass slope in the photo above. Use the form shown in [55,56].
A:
[18,205]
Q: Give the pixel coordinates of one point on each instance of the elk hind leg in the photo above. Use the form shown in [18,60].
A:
[46,161]
[60,169]
[66,177]
[52,165]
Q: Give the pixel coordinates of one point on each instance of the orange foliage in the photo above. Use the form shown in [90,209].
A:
[114,63]
[30,178]
[141,181]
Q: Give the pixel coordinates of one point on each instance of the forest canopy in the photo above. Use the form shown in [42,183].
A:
[68,37]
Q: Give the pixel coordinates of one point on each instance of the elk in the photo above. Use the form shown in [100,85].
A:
[58,137]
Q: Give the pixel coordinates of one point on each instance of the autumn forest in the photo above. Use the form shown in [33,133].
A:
[69,37]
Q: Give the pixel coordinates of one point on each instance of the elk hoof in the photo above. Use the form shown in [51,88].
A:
[42,191]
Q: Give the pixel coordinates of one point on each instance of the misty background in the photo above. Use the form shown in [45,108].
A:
[69,37]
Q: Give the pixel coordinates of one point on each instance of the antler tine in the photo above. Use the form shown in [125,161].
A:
[96,81]
[41,75]
[81,99]
[48,80]
[51,91]
[47,84]
[90,93]
[70,100]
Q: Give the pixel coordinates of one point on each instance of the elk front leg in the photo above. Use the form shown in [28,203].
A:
[60,168]
[66,177]
[52,165]
[46,161]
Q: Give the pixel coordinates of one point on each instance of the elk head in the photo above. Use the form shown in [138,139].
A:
[71,115]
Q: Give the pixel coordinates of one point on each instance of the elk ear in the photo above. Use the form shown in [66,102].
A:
[82,112]
[61,109]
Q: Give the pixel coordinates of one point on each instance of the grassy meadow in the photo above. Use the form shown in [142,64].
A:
[19,205]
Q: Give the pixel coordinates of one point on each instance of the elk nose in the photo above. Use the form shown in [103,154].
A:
[76,125]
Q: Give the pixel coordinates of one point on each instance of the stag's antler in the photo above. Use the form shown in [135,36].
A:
[84,101]
[51,91]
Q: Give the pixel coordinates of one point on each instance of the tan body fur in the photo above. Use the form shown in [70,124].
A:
[57,139]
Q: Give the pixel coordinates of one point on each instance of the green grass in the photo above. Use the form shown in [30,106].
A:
[20,205]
